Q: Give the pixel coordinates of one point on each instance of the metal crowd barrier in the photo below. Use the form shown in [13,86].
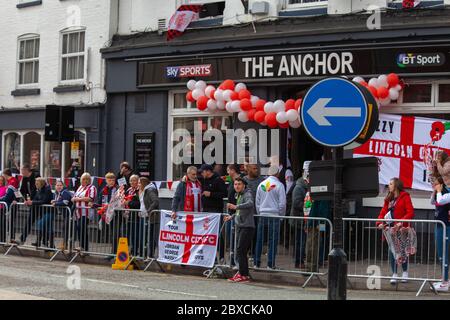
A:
[43,227]
[4,229]
[94,237]
[286,244]
[369,253]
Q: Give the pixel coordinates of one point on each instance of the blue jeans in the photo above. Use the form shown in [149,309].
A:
[394,263]
[273,225]
[439,231]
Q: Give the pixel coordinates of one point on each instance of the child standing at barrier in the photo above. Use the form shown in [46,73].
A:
[397,205]
[84,199]
[441,199]
[245,224]
[63,201]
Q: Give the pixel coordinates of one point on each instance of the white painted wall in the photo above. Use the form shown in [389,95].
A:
[100,19]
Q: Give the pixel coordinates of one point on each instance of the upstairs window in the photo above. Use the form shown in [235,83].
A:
[28,60]
[73,56]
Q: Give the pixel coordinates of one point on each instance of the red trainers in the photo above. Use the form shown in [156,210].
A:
[238,278]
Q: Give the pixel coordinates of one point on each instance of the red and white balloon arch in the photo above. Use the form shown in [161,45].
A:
[236,98]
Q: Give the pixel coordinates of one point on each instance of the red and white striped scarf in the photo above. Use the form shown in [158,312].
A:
[193,197]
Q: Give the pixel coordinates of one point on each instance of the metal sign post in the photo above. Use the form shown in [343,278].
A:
[335,113]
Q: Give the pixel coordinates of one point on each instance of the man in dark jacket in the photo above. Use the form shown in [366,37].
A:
[43,195]
[244,219]
[187,196]
[298,201]
[213,190]
[28,183]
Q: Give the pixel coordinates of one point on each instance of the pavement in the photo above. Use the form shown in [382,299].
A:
[31,278]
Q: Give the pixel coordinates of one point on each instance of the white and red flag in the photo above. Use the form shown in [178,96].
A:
[180,20]
[401,143]
[409,4]
[190,239]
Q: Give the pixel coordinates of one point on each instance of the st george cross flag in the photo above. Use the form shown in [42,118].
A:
[408,4]
[399,144]
[181,19]
[189,239]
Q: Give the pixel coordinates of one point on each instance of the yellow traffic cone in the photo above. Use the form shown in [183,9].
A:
[123,256]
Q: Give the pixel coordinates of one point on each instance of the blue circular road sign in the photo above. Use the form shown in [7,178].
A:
[334,112]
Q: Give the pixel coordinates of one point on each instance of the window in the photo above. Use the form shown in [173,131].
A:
[11,152]
[32,150]
[28,60]
[305,3]
[73,56]
[183,115]
[444,93]
[417,93]
[74,161]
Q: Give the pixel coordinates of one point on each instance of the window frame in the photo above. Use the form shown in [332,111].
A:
[62,55]
[183,113]
[20,39]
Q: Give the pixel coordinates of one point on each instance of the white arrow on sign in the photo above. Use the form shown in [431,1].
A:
[319,112]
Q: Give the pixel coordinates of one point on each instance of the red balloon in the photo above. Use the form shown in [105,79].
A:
[189,97]
[260,105]
[298,104]
[211,95]
[260,116]
[202,103]
[363,83]
[250,114]
[246,104]
[392,80]
[234,96]
[289,104]
[244,94]
[271,120]
[382,92]
[284,125]
[228,85]
[374,91]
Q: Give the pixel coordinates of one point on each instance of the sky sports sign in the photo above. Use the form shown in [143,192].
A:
[203,70]
[418,60]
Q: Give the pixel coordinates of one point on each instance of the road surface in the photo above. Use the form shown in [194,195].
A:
[36,278]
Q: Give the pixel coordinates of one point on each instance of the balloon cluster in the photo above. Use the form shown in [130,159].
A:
[236,98]
[385,88]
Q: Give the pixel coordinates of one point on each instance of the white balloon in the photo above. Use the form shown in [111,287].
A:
[398,87]
[242,116]
[292,115]
[358,79]
[228,107]
[236,106]
[282,117]
[278,106]
[200,85]
[212,105]
[393,94]
[220,105]
[254,99]
[208,91]
[239,87]
[268,107]
[218,95]
[227,95]
[197,93]
[385,102]
[382,81]
[373,82]
[295,124]
[191,84]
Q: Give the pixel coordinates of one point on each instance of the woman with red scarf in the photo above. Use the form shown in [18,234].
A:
[188,196]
